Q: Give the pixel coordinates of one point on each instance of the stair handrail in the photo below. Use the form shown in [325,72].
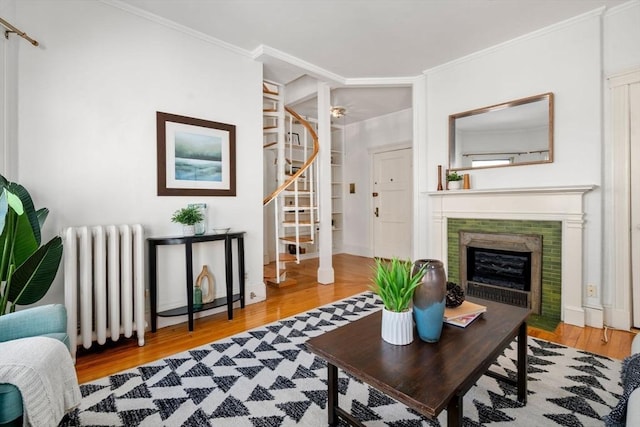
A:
[305,166]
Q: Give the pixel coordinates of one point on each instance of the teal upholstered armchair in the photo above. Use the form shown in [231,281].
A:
[48,321]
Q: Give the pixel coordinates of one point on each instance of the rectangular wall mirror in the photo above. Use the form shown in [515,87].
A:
[513,133]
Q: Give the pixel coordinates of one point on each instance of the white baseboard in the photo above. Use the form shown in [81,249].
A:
[594,317]
[259,291]
[358,251]
[618,319]
[573,316]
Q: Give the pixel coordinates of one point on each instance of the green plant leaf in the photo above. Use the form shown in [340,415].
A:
[29,209]
[4,207]
[42,215]
[32,279]
[190,215]
[395,283]
[15,203]
[26,268]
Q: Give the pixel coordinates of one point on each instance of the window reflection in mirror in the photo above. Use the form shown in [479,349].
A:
[513,133]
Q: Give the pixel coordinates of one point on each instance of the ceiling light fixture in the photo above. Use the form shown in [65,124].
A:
[338,112]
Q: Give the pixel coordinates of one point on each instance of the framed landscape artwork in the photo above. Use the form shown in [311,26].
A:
[196,157]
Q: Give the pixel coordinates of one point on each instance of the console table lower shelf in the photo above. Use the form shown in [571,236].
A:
[181,311]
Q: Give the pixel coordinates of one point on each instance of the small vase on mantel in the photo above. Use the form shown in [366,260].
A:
[429,299]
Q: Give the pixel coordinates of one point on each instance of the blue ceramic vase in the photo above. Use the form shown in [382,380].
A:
[429,299]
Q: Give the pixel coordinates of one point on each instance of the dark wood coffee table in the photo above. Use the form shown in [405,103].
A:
[426,377]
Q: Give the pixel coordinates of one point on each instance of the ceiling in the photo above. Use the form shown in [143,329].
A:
[354,39]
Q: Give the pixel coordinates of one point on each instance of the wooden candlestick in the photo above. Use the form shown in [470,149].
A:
[439,177]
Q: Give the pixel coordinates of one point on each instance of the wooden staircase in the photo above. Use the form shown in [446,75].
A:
[294,201]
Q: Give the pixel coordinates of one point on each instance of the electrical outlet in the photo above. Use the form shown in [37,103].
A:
[252,295]
[591,290]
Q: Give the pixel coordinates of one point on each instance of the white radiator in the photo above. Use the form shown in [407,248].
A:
[104,283]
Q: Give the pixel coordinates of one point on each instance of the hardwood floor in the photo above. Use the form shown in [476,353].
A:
[352,276]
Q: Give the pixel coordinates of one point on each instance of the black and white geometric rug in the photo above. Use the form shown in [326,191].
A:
[266,378]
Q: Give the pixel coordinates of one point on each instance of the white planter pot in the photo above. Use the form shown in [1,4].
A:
[397,328]
[455,185]
[188,230]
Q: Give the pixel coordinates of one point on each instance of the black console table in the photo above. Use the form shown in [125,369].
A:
[188,242]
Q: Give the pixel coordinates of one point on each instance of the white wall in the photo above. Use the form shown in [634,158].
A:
[621,53]
[87,127]
[622,38]
[566,60]
[361,139]
[8,93]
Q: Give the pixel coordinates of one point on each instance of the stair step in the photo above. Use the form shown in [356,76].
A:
[271,95]
[302,239]
[296,146]
[293,224]
[270,127]
[299,191]
[298,208]
[283,283]
[270,273]
[286,257]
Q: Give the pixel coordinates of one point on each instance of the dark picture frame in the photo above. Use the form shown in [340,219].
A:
[196,157]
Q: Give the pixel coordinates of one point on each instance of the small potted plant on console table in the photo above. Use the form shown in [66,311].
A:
[394,283]
[188,217]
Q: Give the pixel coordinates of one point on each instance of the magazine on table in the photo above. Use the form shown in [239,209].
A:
[464,314]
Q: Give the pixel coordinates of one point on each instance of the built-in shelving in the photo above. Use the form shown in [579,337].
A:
[337,186]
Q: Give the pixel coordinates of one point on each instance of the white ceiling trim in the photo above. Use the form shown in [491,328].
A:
[532,35]
[313,70]
[380,81]
[175,26]
[622,8]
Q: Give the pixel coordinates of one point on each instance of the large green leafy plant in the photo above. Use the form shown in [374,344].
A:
[27,268]
[394,282]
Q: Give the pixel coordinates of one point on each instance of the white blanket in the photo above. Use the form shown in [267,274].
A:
[42,369]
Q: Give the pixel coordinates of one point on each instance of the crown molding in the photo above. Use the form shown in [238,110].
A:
[624,7]
[596,13]
[175,26]
[380,81]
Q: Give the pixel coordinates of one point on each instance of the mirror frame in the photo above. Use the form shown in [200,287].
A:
[452,129]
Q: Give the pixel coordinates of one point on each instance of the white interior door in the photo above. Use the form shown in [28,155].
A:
[634,131]
[392,204]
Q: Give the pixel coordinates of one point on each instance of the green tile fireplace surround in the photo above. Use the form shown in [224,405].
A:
[551,232]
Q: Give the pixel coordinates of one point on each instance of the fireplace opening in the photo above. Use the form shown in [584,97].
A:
[502,267]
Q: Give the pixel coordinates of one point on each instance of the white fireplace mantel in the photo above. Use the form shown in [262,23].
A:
[563,204]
